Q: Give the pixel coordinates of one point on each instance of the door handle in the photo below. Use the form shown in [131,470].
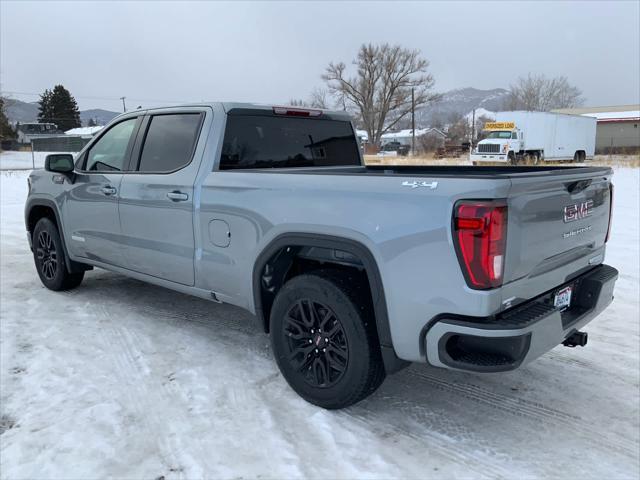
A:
[178,196]
[108,190]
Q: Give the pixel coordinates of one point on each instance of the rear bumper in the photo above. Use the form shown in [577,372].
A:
[521,334]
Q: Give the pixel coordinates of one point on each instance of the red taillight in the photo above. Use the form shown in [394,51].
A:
[480,237]
[296,112]
[606,239]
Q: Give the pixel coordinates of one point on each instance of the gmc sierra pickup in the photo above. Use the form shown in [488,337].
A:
[353,270]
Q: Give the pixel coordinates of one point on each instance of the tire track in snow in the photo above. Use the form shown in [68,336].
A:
[571,361]
[202,318]
[516,406]
[521,408]
[144,400]
[210,320]
[170,394]
[530,410]
[446,447]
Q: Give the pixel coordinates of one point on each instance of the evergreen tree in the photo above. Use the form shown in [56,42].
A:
[58,106]
[44,107]
[6,132]
[91,123]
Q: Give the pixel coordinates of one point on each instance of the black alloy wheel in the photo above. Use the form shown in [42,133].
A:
[317,344]
[47,255]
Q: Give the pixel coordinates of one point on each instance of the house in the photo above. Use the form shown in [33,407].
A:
[363,136]
[405,137]
[26,132]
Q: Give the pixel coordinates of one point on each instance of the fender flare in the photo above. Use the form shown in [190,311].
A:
[45,202]
[391,361]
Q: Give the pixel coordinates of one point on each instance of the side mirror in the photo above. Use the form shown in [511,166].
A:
[59,163]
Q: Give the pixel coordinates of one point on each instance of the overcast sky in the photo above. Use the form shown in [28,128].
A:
[157,52]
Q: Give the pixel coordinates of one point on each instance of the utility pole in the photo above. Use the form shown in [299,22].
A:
[413,122]
[124,107]
[473,129]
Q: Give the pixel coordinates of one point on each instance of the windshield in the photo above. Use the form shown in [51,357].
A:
[501,134]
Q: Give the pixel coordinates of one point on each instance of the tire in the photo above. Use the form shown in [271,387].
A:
[346,370]
[531,158]
[512,158]
[49,258]
[536,158]
[576,157]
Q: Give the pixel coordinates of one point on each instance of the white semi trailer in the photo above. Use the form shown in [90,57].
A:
[516,137]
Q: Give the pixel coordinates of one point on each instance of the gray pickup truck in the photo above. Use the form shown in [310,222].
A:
[353,270]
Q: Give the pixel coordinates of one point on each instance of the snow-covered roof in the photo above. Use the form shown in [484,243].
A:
[630,115]
[84,130]
[409,133]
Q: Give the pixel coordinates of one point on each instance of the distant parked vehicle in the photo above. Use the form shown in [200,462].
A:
[453,151]
[401,149]
[530,137]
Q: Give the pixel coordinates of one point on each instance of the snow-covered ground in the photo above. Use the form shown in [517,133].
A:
[23,160]
[122,379]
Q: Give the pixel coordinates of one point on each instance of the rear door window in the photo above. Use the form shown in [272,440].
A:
[169,142]
[262,141]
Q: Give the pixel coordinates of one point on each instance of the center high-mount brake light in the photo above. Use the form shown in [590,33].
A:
[480,238]
[296,112]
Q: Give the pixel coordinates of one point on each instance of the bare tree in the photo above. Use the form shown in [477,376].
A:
[459,130]
[380,91]
[429,142]
[480,132]
[319,98]
[539,93]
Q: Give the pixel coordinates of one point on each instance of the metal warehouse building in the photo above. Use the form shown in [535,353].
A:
[617,128]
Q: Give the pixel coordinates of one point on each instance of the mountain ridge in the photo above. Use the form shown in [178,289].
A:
[453,103]
[25,112]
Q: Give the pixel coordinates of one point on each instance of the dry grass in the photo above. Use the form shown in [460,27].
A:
[629,161]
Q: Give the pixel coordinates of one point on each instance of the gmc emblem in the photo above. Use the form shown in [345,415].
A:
[578,211]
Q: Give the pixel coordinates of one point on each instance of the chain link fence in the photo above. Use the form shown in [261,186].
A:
[66,143]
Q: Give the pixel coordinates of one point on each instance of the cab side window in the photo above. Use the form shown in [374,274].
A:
[514,136]
[170,142]
[109,154]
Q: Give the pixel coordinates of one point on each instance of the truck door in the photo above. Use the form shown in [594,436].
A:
[156,199]
[92,226]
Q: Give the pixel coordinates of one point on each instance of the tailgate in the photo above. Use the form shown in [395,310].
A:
[558,222]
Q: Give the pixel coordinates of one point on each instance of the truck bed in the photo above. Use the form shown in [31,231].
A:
[462,171]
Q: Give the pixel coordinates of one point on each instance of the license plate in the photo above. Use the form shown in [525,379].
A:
[562,300]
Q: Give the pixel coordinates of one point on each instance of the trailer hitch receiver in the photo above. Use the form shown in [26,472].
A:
[576,339]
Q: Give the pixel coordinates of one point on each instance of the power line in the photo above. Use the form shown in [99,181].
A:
[94,97]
